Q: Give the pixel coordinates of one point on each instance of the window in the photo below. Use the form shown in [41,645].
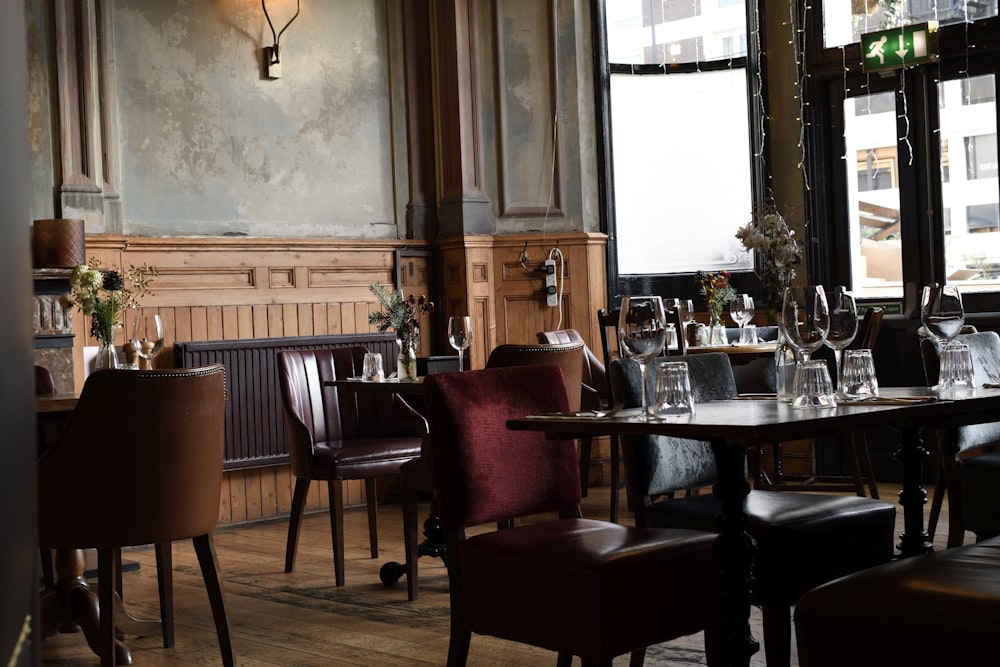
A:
[889,143]
[671,157]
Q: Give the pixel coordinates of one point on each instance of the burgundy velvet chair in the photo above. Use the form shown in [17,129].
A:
[125,474]
[334,436]
[578,587]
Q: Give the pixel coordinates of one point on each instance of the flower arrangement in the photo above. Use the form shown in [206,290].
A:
[769,235]
[105,294]
[399,313]
[717,291]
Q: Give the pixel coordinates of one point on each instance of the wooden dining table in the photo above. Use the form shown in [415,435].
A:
[733,426]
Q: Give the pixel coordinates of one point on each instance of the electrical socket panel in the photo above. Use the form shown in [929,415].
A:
[551,298]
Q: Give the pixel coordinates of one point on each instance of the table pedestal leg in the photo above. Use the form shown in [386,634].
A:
[70,604]
[734,550]
[914,540]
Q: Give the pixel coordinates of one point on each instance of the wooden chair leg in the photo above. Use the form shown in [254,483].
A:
[867,469]
[336,488]
[372,501]
[165,583]
[295,520]
[205,549]
[411,539]
[48,572]
[637,658]
[855,460]
[615,477]
[777,621]
[106,576]
[564,660]
[586,444]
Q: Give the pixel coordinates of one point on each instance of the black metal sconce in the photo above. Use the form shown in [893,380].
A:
[272,54]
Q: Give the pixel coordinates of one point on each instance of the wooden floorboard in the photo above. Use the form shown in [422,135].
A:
[303,619]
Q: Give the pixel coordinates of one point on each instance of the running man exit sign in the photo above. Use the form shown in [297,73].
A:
[899,47]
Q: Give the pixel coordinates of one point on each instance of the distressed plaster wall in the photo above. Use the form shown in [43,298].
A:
[208,146]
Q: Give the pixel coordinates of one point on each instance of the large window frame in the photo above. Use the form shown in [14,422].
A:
[921,211]
[680,285]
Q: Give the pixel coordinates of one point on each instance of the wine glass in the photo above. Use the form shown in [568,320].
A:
[805,318]
[147,337]
[941,312]
[741,311]
[843,326]
[642,333]
[685,313]
[460,336]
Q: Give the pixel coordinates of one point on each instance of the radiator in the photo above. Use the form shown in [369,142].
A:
[255,427]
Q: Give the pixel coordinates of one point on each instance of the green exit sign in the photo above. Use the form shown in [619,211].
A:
[899,47]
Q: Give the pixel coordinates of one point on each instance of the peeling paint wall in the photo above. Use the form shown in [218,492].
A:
[207,145]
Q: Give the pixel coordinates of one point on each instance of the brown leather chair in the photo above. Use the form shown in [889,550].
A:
[596,396]
[567,356]
[140,462]
[575,586]
[333,436]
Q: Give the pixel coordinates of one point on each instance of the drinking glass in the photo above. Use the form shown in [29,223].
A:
[843,328]
[147,337]
[673,390]
[460,336]
[805,318]
[741,310]
[941,312]
[642,333]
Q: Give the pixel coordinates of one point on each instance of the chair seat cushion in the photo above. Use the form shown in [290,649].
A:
[803,539]
[936,609]
[599,578]
[980,484]
[358,458]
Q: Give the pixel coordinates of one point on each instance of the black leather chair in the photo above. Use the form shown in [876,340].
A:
[333,436]
[970,455]
[803,539]
[936,609]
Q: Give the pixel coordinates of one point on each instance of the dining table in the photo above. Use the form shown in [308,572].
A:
[733,426]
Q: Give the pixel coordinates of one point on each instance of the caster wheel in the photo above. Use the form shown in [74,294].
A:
[391,572]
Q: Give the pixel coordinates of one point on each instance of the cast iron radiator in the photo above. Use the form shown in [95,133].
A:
[255,423]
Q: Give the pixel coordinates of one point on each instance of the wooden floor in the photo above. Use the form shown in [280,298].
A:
[303,619]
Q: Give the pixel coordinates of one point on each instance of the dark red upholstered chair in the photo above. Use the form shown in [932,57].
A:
[578,587]
[334,436]
[803,539]
[125,473]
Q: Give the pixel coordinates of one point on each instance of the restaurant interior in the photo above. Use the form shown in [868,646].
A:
[267,178]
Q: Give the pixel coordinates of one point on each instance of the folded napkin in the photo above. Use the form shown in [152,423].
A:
[892,400]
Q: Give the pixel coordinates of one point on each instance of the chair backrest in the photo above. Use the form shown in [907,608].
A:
[608,319]
[318,414]
[567,356]
[868,329]
[485,473]
[660,464]
[985,349]
[595,374]
[140,460]
[44,385]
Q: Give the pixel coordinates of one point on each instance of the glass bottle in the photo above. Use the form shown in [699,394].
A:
[785,358]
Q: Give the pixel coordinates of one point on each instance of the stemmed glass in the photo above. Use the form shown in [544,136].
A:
[805,318]
[685,313]
[843,327]
[147,337]
[741,310]
[941,312]
[642,333]
[460,336]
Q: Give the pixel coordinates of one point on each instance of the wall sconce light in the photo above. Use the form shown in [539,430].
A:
[272,54]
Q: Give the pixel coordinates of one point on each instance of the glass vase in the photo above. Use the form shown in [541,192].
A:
[716,332]
[406,360]
[785,359]
[107,356]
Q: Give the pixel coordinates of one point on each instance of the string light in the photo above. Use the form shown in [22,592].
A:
[905,116]
[797,43]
